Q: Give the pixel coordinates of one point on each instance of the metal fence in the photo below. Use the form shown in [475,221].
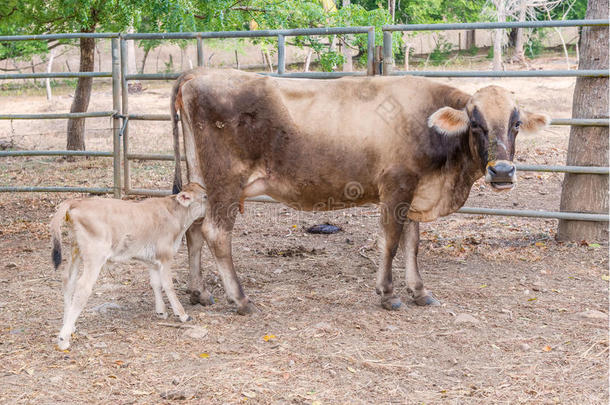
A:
[377,63]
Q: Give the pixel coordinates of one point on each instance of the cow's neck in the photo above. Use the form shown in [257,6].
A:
[444,190]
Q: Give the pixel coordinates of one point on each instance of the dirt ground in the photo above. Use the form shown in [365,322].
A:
[523,317]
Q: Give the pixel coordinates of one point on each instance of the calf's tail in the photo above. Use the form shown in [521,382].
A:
[176,134]
[55,226]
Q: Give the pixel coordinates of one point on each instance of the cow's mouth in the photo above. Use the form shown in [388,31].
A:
[502,186]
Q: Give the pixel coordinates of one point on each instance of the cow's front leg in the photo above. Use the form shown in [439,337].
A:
[415,284]
[391,229]
[219,242]
[196,287]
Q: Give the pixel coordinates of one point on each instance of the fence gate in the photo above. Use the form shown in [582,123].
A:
[376,64]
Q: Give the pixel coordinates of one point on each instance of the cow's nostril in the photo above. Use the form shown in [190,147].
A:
[492,170]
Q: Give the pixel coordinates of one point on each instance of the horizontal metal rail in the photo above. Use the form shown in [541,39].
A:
[294,75]
[56,75]
[506,73]
[91,190]
[49,37]
[57,116]
[149,117]
[581,122]
[495,25]
[54,153]
[249,34]
[565,169]
[575,216]
[524,168]
[149,156]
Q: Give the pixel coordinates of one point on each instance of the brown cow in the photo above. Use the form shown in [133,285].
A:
[413,146]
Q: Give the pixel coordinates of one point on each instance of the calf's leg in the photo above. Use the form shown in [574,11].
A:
[168,286]
[415,284]
[69,278]
[194,242]
[83,287]
[155,283]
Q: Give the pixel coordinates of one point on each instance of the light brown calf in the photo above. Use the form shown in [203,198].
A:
[108,230]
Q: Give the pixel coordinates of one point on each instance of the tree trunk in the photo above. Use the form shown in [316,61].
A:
[307,60]
[146,52]
[498,35]
[76,126]
[392,8]
[47,80]
[347,52]
[133,86]
[588,146]
[519,53]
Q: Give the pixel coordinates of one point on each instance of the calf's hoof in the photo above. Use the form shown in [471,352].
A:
[62,343]
[391,303]
[162,315]
[247,309]
[204,298]
[427,300]
[185,318]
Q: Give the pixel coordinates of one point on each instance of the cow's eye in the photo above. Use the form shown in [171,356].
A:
[518,124]
[474,125]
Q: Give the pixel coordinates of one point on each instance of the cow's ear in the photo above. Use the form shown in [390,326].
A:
[533,122]
[449,121]
[184,198]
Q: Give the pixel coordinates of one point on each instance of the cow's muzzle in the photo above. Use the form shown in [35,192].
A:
[501,175]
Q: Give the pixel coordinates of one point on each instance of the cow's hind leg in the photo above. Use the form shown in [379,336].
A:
[197,289]
[219,242]
[415,284]
[391,229]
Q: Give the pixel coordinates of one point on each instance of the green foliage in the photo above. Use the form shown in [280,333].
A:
[441,51]
[534,47]
[472,51]
[329,61]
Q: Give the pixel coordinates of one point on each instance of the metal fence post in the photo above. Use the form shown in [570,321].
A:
[124,112]
[281,54]
[199,51]
[370,52]
[388,59]
[116,122]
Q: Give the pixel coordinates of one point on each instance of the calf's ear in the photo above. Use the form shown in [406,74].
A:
[449,121]
[533,122]
[184,198]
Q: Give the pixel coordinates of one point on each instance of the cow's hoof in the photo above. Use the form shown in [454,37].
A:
[427,300]
[185,318]
[247,309]
[162,315]
[392,303]
[204,298]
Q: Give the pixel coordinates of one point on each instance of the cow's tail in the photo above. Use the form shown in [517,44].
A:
[176,134]
[55,227]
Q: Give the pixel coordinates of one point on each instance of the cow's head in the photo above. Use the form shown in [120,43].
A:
[492,120]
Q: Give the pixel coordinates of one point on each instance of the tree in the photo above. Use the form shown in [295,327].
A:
[88,16]
[588,146]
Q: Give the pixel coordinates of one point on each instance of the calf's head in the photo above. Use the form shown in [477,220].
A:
[492,120]
[193,197]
